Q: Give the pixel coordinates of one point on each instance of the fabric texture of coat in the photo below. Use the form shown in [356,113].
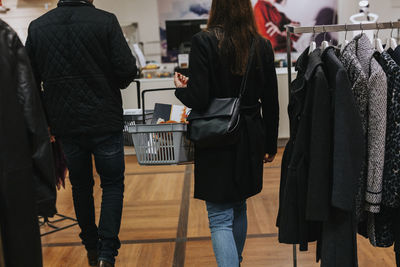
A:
[391,177]
[385,221]
[370,90]
[361,47]
[358,80]
[233,173]
[81,58]
[338,244]
[306,166]
[395,55]
[27,179]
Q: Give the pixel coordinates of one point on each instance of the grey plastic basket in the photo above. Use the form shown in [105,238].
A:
[162,144]
[130,120]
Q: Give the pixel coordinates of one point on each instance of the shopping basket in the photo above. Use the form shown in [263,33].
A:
[133,117]
[161,144]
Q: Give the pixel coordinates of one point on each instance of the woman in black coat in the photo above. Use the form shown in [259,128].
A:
[226,176]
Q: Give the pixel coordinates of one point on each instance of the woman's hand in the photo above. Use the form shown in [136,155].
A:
[180,80]
[269,158]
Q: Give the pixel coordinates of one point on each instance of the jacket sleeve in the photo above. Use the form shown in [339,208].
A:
[320,167]
[36,126]
[197,94]
[376,139]
[349,145]
[270,103]
[122,60]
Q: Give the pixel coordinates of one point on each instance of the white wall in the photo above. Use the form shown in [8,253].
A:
[20,15]
[384,8]
[145,13]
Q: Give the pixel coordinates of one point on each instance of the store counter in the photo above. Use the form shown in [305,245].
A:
[129,96]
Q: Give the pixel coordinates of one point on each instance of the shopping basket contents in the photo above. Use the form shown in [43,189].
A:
[163,142]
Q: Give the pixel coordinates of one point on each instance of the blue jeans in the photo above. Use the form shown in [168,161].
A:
[108,151]
[228,225]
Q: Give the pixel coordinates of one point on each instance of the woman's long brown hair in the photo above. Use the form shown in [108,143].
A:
[233,23]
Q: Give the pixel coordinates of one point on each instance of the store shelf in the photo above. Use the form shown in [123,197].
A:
[284,71]
[279,71]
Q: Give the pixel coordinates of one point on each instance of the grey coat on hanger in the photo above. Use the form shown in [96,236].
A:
[370,90]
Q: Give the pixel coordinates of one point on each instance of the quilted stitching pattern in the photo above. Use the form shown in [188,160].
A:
[83,60]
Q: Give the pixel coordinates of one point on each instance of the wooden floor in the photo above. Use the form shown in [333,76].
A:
[164,226]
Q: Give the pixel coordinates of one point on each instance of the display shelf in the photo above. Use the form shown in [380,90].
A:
[279,71]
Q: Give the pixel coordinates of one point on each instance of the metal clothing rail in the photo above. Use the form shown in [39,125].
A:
[331,28]
[323,29]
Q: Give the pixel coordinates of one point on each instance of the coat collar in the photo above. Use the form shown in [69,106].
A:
[302,61]
[314,61]
[74,3]
[307,63]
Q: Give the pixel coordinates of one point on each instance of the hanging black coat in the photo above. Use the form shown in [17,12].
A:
[306,165]
[27,180]
[233,173]
[338,242]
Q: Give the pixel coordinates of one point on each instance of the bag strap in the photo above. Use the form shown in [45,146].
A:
[249,63]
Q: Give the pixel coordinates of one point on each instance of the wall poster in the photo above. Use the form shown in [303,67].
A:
[271,17]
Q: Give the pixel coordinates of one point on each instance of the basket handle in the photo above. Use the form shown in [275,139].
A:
[149,91]
[138,92]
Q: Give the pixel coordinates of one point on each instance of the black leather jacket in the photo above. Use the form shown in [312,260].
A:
[25,150]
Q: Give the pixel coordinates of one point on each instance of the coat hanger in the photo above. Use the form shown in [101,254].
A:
[313,44]
[345,42]
[391,42]
[377,41]
[325,43]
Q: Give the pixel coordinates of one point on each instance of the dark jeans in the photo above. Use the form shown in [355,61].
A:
[108,151]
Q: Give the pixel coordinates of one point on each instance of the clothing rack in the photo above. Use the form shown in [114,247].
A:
[324,29]
[331,28]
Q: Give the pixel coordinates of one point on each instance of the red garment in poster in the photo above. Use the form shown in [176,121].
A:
[266,12]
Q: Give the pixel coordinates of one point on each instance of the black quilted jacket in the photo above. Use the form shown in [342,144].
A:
[81,60]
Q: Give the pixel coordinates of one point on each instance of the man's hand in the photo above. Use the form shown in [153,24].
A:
[180,80]
[269,158]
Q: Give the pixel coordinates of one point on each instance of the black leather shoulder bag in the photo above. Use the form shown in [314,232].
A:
[219,124]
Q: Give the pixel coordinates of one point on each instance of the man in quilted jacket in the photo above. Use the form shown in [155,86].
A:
[81,60]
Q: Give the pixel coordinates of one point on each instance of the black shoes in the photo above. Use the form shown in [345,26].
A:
[103,263]
[92,257]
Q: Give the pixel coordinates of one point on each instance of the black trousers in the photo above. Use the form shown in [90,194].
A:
[108,152]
